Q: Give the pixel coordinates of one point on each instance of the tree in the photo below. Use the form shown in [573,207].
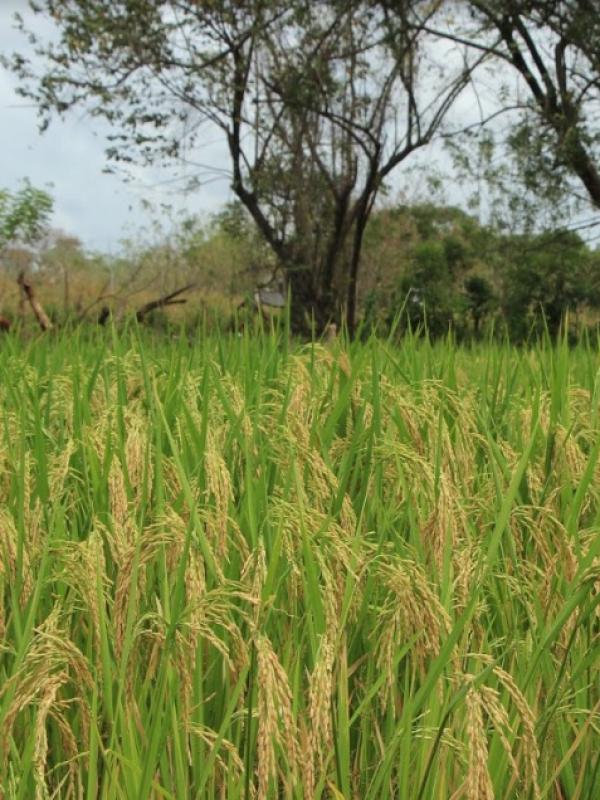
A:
[61,259]
[480,299]
[317,102]
[553,47]
[547,276]
[429,289]
[24,215]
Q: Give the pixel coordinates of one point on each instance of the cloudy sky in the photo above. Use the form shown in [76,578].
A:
[101,209]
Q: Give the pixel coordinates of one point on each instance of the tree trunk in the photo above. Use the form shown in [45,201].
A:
[364,209]
[66,292]
[170,299]
[351,298]
[310,309]
[585,169]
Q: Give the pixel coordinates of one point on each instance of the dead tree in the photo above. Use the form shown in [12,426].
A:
[28,294]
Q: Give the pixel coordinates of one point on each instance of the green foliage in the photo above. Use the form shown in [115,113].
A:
[24,215]
[420,256]
[547,276]
[480,299]
[429,287]
[447,271]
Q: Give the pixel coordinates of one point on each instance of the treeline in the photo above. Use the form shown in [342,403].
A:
[439,269]
[432,268]
[74,285]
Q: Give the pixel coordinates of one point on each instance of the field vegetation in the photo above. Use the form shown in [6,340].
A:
[436,267]
[242,566]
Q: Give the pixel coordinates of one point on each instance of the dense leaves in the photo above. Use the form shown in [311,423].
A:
[443,271]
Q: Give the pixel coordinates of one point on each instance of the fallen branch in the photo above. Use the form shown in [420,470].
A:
[166,300]
[120,296]
[37,308]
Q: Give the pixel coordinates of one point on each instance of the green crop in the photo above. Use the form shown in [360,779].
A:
[247,567]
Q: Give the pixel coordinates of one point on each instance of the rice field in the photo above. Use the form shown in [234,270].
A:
[247,568]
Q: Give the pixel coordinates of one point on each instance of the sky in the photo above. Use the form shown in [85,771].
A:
[68,159]
[101,209]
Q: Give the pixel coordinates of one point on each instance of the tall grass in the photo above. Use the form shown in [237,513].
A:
[248,568]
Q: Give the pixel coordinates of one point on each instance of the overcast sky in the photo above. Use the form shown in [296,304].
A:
[68,159]
[100,209]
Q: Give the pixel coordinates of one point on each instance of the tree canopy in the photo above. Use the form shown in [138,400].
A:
[545,67]
[24,215]
[318,104]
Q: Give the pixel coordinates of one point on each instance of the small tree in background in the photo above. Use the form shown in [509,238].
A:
[480,299]
[24,215]
[24,218]
[432,300]
[62,259]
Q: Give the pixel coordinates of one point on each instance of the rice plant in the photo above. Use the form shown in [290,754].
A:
[250,568]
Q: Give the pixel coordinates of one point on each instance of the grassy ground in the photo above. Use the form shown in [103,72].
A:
[247,568]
